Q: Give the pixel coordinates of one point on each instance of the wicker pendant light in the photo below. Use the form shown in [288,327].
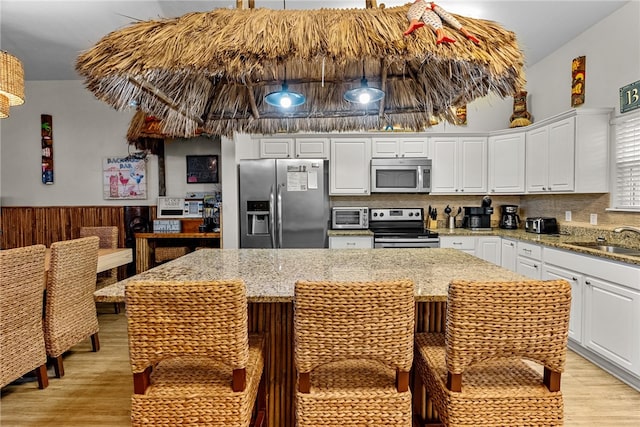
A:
[4,107]
[11,83]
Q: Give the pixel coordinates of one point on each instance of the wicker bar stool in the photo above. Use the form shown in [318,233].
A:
[353,352]
[22,347]
[474,373]
[192,358]
[70,311]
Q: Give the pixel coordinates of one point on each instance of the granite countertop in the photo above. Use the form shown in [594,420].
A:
[559,241]
[270,274]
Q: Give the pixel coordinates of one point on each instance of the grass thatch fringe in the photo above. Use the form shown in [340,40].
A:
[206,69]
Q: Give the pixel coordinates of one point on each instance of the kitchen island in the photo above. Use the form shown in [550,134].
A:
[270,276]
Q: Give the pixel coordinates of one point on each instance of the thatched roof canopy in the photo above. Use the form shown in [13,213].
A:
[211,70]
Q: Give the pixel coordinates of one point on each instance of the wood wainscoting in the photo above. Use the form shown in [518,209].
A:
[24,226]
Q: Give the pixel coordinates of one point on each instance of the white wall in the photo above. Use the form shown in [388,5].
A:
[85,130]
[612,50]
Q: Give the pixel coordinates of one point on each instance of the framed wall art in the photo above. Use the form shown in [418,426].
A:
[124,178]
[202,169]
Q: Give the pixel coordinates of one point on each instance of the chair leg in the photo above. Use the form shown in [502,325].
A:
[41,375]
[58,367]
[95,342]
[116,308]
[418,397]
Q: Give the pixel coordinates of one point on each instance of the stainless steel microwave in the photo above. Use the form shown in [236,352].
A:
[344,218]
[401,175]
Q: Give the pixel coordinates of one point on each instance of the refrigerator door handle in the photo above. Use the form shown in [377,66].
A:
[279,216]
[272,218]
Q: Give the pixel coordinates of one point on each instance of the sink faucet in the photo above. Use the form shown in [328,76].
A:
[626,228]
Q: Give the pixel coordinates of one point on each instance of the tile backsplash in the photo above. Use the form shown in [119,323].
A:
[547,205]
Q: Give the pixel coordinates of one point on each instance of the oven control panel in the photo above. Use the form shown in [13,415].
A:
[396,214]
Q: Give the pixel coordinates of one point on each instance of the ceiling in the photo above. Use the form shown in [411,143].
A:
[48,35]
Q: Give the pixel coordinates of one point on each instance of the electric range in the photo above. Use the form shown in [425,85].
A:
[401,228]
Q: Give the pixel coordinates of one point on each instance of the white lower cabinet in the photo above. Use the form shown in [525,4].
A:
[489,249]
[612,322]
[463,243]
[350,242]
[605,310]
[509,254]
[552,272]
[529,261]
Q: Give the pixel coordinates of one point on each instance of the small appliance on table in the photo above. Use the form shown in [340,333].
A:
[401,228]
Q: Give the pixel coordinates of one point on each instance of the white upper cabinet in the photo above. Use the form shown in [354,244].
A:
[399,147]
[507,163]
[276,148]
[459,165]
[294,148]
[569,153]
[550,157]
[349,166]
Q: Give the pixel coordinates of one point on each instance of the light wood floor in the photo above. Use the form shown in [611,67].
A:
[96,388]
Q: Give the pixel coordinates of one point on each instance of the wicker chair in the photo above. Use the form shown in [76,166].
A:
[353,352]
[108,240]
[22,347]
[70,311]
[474,373]
[193,361]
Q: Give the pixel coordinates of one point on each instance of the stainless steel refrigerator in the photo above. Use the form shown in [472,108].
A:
[284,203]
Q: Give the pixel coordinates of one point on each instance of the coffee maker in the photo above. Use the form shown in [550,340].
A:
[509,219]
[477,218]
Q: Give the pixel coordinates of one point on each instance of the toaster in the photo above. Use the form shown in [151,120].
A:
[541,225]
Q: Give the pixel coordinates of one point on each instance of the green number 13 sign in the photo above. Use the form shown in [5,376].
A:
[630,97]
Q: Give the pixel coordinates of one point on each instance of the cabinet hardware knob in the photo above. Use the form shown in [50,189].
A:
[587,282]
[574,279]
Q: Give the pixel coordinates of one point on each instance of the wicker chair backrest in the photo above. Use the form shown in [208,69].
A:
[487,320]
[336,321]
[176,319]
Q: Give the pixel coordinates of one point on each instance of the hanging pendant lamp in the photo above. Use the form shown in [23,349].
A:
[363,94]
[285,98]
[11,83]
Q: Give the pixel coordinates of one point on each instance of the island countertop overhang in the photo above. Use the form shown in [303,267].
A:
[270,274]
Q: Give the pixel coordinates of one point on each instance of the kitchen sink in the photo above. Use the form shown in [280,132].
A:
[614,249]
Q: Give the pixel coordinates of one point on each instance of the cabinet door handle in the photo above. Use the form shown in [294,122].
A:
[351,243]
[587,282]
[535,265]
[456,243]
[544,188]
[575,279]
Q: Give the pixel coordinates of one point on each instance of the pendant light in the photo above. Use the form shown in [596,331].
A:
[11,83]
[364,94]
[285,98]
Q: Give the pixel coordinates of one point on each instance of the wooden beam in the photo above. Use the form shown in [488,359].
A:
[252,102]
[383,86]
[162,97]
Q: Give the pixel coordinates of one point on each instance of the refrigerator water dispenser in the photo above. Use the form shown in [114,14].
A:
[257,217]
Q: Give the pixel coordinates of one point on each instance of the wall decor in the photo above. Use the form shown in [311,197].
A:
[461,116]
[520,116]
[630,97]
[46,132]
[124,177]
[202,169]
[578,77]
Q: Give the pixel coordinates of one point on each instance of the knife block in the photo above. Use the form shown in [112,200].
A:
[432,224]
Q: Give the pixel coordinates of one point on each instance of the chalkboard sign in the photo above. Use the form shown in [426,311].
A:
[202,169]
